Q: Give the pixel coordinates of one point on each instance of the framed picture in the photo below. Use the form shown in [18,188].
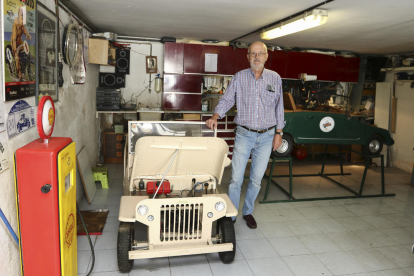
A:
[19,46]
[47,54]
[151,64]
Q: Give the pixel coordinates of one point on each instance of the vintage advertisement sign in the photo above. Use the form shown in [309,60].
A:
[19,46]
[20,119]
[4,164]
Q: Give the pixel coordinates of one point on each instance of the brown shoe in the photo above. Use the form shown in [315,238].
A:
[251,222]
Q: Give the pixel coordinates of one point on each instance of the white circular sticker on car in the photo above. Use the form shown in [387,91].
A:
[327,124]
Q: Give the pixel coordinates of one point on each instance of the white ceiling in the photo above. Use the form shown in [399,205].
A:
[360,26]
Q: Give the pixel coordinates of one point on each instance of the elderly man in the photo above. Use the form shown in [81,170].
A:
[257,93]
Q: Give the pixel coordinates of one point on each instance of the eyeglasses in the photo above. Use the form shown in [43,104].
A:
[258,54]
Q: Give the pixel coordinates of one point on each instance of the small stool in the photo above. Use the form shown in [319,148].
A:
[101,174]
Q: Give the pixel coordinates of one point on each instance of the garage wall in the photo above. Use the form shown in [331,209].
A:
[137,80]
[75,118]
[402,150]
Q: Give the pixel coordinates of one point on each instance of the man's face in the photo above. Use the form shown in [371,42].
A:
[257,56]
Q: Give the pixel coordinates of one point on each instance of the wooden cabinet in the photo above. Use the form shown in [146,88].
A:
[227,61]
[174,58]
[193,60]
[294,65]
[100,51]
[114,147]
[278,60]
[182,92]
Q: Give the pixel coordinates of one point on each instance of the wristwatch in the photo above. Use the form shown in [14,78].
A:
[280,133]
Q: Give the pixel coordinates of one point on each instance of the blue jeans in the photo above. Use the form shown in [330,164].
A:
[259,145]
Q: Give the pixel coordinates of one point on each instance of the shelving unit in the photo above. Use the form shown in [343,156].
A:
[397,69]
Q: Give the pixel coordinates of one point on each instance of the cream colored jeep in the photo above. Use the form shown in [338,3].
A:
[170,185]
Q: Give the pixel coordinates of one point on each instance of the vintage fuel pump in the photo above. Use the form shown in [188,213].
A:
[45,178]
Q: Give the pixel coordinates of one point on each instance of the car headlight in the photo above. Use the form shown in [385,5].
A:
[150,218]
[210,214]
[220,206]
[142,210]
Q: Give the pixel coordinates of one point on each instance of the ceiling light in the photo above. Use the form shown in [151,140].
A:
[306,21]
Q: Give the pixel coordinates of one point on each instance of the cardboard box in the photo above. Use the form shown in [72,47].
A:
[192,116]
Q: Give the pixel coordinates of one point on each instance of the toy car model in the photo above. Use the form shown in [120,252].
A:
[23,122]
[176,177]
[327,125]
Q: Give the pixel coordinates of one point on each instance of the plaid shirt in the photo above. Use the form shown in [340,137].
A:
[257,106]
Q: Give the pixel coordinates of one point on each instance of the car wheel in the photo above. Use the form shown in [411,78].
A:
[125,240]
[374,145]
[228,235]
[285,148]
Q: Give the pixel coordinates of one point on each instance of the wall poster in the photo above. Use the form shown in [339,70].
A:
[47,63]
[19,46]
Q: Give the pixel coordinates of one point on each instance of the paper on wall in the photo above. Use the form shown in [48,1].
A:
[210,63]
[2,125]
[4,164]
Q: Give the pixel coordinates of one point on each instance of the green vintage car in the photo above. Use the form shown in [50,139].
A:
[327,125]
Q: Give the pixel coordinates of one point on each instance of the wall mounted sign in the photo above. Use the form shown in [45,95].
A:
[4,164]
[47,54]
[327,124]
[2,124]
[78,71]
[19,46]
[21,118]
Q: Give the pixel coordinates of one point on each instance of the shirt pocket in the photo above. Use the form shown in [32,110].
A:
[270,98]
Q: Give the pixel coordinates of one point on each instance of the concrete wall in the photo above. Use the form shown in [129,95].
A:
[75,118]
[402,150]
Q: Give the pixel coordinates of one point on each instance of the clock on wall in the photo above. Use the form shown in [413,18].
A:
[70,45]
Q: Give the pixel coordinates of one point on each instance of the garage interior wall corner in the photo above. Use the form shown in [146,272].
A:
[75,118]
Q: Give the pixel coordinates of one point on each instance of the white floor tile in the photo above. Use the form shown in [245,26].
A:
[148,264]
[245,233]
[392,272]
[379,222]
[269,267]
[185,260]
[400,219]
[313,213]
[274,230]
[306,265]
[289,246]
[159,271]
[302,228]
[375,238]
[236,268]
[348,241]
[328,226]
[355,223]
[319,244]
[401,255]
[83,242]
[254,249]
[337,211]
[400,235]
[84,258]
[360,210]
[340,263]
[108,240]
[288,214]
[191,269]
[105,261]
[371,259]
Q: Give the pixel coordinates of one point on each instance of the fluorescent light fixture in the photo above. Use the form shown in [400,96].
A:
[306,21]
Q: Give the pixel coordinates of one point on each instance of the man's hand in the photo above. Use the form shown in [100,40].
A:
[212,122]
[277,141]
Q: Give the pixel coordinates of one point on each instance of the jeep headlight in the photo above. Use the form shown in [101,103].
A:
[142,210]
[220,206]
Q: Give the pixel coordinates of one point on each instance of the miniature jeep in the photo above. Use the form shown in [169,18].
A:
[170,185]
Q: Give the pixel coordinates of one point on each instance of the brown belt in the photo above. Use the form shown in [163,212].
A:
[258,131]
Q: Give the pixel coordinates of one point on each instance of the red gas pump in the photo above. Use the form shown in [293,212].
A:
[45,178]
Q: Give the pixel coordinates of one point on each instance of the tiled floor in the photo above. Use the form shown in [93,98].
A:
[364,237]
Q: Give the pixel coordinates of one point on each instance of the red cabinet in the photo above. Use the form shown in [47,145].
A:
[193,58]
[183,83]
[227,61]
[278,61]
[294,65]
[351,73]
[242,61]
[325,68]
[174,58]
[178,101]
[310,63]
